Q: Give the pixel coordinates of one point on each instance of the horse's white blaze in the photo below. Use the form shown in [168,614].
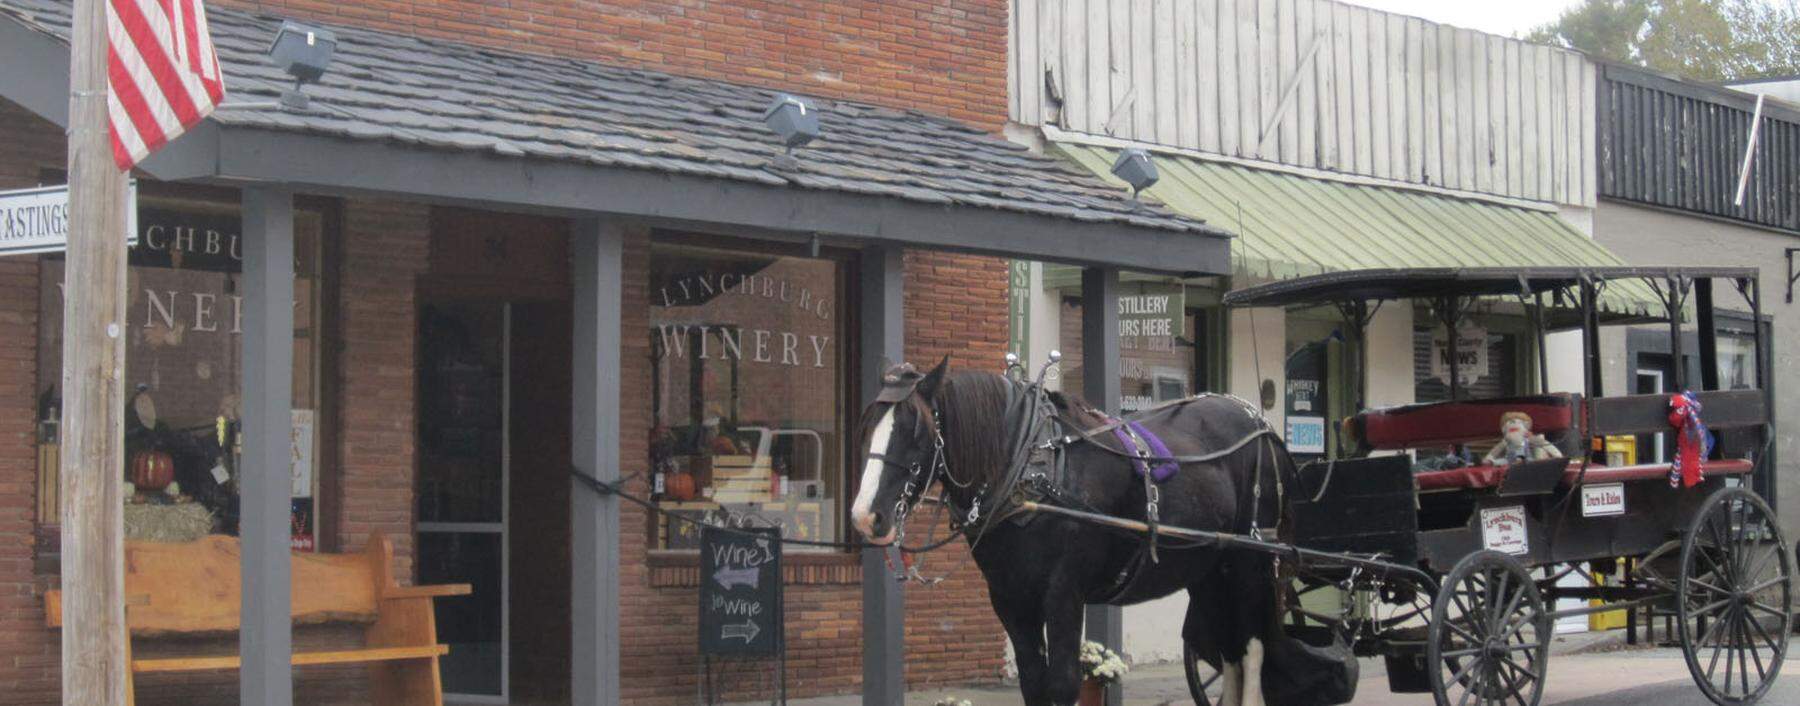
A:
[861,512]
[1253,663]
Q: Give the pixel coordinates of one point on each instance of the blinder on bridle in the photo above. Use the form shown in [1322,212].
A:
[898,385]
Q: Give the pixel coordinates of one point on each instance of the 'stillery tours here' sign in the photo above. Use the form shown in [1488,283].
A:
[1151,311]
[37,220]
[740,591]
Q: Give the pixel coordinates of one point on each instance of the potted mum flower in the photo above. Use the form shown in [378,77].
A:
[1099,667]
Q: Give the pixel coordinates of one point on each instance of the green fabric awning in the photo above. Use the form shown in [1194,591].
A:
[1289,225]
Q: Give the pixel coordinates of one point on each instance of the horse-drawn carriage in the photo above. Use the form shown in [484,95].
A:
[1497,540]
[1452,570]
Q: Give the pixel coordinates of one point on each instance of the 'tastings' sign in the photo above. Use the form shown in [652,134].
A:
[37,220]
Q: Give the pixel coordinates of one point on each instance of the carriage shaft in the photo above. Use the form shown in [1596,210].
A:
[1227,540]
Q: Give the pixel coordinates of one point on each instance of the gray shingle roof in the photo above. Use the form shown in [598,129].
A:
[392,87]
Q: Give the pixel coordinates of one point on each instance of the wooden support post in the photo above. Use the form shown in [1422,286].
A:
[1709,333]
[264,487]
[884,599]
[1677,291]
[93,444]
[599,279]
[1100,384]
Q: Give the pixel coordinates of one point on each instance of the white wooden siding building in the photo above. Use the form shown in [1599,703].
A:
[1313,84]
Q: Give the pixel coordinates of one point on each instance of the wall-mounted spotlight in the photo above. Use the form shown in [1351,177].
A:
[1135,167]
[304,52]
[795,122]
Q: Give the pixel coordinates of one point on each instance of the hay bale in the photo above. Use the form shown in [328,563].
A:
[177,522]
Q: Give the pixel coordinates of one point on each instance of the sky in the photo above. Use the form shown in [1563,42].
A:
[1502,17]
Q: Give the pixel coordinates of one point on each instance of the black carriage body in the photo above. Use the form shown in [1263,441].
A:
[1373,506]
[1712,552]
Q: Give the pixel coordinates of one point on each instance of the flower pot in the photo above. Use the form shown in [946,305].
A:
[1093,693]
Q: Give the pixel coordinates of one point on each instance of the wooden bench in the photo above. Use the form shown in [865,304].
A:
[193,589]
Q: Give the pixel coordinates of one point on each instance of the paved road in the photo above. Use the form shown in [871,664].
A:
[1629,678]
[1642,677]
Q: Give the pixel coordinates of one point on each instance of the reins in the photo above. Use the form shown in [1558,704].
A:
[1027,415]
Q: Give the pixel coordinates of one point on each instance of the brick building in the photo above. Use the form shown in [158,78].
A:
[474,188]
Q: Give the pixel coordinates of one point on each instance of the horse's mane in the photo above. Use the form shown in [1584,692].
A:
[973,410]
[972,406]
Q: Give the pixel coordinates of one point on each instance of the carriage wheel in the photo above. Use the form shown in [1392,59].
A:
[1735,576]
[1489,638]
[1203,679]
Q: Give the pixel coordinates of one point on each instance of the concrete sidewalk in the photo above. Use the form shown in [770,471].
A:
[1166,683]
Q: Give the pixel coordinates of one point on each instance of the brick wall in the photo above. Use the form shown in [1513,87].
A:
[940,56]
[28,653]
[384,248]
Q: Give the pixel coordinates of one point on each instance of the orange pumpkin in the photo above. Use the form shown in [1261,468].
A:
[679,486]
[152,470]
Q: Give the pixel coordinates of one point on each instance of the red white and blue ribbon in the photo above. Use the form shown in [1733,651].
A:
[1692,443]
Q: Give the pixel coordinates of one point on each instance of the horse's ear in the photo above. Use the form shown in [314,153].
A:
[928,387]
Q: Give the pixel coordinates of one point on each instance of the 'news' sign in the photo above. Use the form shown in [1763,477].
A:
[37,220]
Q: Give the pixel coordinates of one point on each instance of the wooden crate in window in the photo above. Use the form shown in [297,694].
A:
[740,479]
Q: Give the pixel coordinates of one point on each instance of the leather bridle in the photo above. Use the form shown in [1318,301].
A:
[919,475]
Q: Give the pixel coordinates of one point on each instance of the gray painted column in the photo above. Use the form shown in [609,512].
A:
[597,251]
[884,600]
[1100,384]
[265,642]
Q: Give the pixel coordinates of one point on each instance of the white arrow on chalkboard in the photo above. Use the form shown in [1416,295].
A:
[747,576]
[746,630]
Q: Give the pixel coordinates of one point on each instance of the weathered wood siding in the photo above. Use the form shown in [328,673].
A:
[1315,84]
[1681,145]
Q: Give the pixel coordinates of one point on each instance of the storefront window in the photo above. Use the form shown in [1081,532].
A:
[1317,392]
[185,322]
[1488,363]
[1737,366]
[1162,355]
[748,390]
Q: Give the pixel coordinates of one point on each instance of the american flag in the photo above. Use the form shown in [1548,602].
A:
[162,74]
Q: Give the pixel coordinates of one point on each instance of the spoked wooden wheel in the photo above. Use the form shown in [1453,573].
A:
[1203,679]
[1489,639]
[1735,598]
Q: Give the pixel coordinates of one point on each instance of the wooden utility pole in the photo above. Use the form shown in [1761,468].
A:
[93,457]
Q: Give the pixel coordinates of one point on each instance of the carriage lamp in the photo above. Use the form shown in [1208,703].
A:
[304,52]
[1136,168]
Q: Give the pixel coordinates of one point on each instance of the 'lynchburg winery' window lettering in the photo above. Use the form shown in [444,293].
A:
[188,241]
[747,387]
[757,345]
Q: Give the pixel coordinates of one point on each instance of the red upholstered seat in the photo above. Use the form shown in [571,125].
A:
[1490,476]
[1464,421]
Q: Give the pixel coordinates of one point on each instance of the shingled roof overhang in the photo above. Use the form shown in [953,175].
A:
[445,122]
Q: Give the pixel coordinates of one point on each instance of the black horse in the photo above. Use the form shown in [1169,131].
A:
[962,428]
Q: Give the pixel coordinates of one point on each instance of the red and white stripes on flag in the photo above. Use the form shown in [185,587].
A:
[162,74]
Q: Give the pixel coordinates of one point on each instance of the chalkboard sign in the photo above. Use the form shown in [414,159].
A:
[740,591]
